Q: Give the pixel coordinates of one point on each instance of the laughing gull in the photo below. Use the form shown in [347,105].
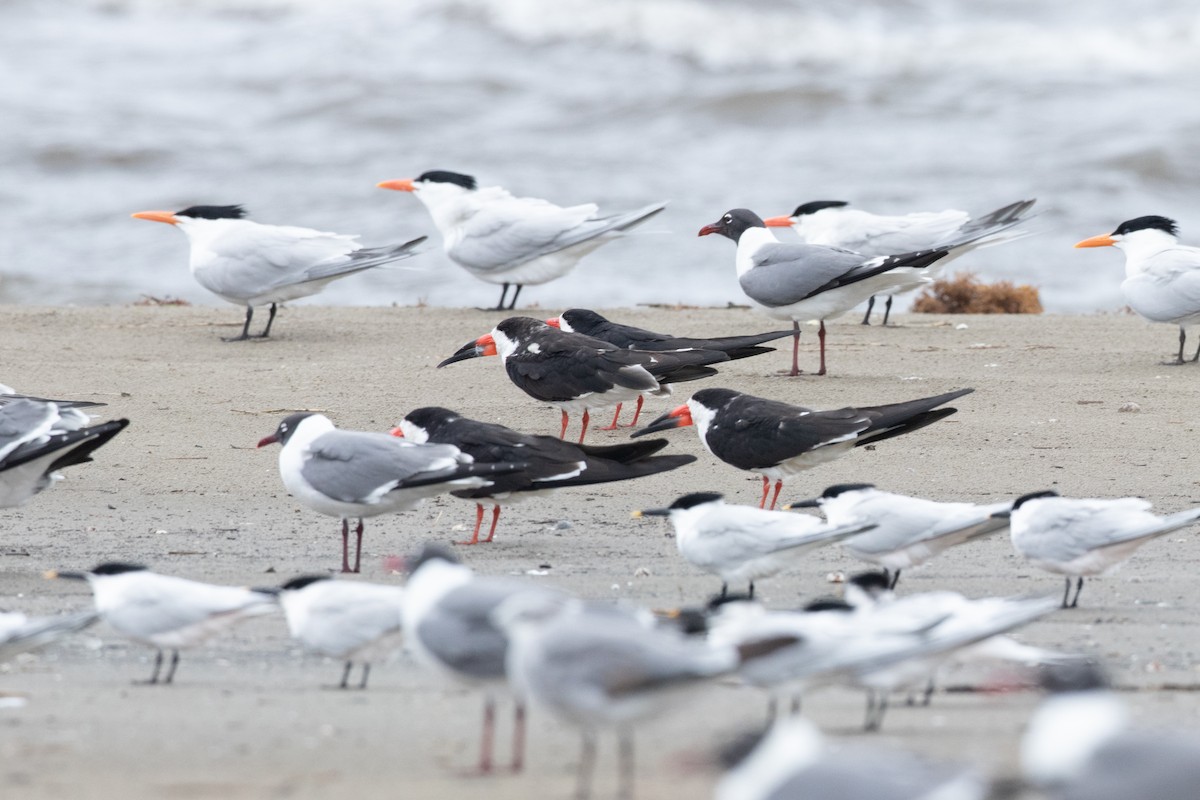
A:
[250,264]
[353,474]
[589,323]
[510,240]
[19,633]
[909,531]
[166,612]
[36,441]
[833,224]
[1162,277]
[578,373]
[449,628]
[742,543]
[348,620]
[1078,537]
[550,463]
[810,282]
[791,761]
[779,441]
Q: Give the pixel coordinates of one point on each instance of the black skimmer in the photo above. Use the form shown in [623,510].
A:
[250,264]
[550,463]
[166,612]
[355,474]
[589,323]
[1162,277]
[513,241]
[810,282]
[833,224]
[578,373]
[778,440]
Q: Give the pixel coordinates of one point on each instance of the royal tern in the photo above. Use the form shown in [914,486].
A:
[36,441]
[578,373]
[550,463]
[743,543]
[1081,537]
[166,612]
[832,224]
[1162,277]
[510,240]
[251,264]
[347,620]
[909,531]
[779,441]
[589,323]
[449,628]
[19,633]
[354,474]
[802,282]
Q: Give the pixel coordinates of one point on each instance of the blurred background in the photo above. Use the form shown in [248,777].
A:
[297,109]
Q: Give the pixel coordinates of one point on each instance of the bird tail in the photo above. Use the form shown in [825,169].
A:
[900,418]
[38,632]
[990,229]
[82,443]
[625,453]
[365,258]
[1161,526]
[604,471]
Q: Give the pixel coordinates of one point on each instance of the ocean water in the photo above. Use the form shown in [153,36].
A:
[297,109]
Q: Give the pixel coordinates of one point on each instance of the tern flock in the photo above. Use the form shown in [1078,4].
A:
[596,666]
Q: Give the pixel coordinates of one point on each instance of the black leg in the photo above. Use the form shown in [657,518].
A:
[1182,339]
[587,765]
[513,303]
[267,330]
[869,721]
[345,684]
[366,671]
[895,580]
[345,545]
[1078,589]
[625,763]
[1067,593]
[724,590]
[887,310]
[171,670]
[929,690]
[358,532]
[245,328]
[158,659]
[1195,358]
[796,704]
[870,307]
[751,590]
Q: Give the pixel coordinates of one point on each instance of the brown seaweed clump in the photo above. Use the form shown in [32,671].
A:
[966,294]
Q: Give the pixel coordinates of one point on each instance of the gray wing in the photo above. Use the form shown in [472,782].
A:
[458,630]
[786,273]
[863,773]
[23,421]
[27,634]
[346,619]
[163,603]
[360,260]
[358,466]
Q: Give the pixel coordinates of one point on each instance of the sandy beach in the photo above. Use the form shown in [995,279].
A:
[185,491]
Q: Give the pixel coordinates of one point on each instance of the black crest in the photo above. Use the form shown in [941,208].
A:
[1144,223]
[695,499]
[431,418]
[817,205]
[116,568]
[443,176]
[870,580]
[302,581]
[842,488]
[212,212]
[1033,496]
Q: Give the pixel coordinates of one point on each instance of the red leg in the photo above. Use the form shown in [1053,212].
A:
[495,519]
[796,349]
[638,411]
[345,545]
[518,759]
[616,417]
[583,430]
[775,497]
[358,546]
[489,733]
[766,485]
[478,522]
[563,433]
[821,336]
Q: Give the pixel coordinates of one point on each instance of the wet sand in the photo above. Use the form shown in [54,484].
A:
[185,491]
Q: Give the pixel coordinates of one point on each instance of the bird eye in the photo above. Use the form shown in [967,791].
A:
[728,218]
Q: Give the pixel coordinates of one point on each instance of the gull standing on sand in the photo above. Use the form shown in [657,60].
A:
[589,323]
[832,224]
[449,628]
[510,240]
[37,440]
[1162,277]
[347,620]
[250,264]
[355,474]
[743,543]
[166,612]
[779,441]
[802,282]
[1082,537]
[551,463]
[909,531]
[577,373]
